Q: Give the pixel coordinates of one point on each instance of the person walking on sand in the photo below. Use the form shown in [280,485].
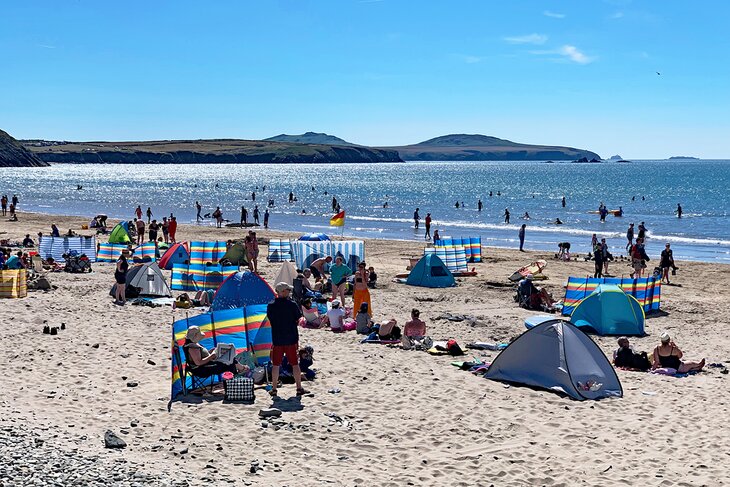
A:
[428,226]
[4,202]
[198,208]
[256,214]
[138,212]
[679,210]
[244,216]
[218,215]
[283,315]
[172,229]
[506,216]
[416,218]
[266,218]
[149,215]
[522,236]
[139,223]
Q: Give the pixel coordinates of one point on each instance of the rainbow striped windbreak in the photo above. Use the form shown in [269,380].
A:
[206,252]
[647,291]
[199,277]
[453,257]
[147,249]
[472,246]
[109,252]
[246,328]
[13,283]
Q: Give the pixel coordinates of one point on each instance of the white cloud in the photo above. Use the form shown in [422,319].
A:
[616,15]
[527,39]
[555,15]
[572,53]
[566,53]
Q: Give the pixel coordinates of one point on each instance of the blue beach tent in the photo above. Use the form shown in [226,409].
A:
[557,356]
[430,271]
[609,311]
[314,237]
[242,289]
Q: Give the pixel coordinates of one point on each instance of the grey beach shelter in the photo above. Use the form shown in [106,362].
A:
[557,356]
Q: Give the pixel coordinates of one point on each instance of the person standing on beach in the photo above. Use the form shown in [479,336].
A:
[139,223]
[522,236]
[165,229]
[4,202]
[679,210]
[598,258]
[256,214]
[479,205]
[339,273]
[291,197]
[630,235]
[54,231]
[253,195]
[605,255]
[506,216]
[266,218]
[149,215]
[153,227]
[283,315]
[252,249]
[138,212]
[197,214]
[172,228]
[642,231]
[120,278]
[15,201]
[428,226]
[416,218]
[244,216]
[563,202]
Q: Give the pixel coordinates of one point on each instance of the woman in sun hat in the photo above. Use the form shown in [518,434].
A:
[667,355]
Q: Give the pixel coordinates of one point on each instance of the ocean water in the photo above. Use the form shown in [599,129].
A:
[534,187]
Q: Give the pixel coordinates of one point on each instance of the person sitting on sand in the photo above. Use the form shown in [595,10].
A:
[414,333]
[372,278]
[201,361]
[310,315]
[27,241]
[336,317]
[54,231]
[389,330]
[364,324]
[668,356]
[531,297]
[625,356]
[307,284]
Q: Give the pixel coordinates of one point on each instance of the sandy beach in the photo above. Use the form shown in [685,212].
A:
[401,418]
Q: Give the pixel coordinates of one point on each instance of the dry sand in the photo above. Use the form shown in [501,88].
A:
[409,418]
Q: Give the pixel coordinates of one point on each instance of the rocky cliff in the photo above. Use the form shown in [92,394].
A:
[13,154]
[205,151]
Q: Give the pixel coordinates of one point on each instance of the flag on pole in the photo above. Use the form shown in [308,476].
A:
[338,220]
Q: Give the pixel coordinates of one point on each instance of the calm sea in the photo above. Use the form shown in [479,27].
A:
[647,190]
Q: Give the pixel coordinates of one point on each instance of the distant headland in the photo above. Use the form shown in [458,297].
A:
[687,158]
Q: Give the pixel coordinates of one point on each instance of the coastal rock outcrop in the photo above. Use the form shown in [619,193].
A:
[13,154]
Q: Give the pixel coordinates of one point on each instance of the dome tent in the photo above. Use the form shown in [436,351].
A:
[120,234]
[608,310]
[145,279]
[178,253]
[430,271]
[242,289]
[557,356]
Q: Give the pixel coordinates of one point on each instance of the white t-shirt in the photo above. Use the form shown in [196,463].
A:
[336,316]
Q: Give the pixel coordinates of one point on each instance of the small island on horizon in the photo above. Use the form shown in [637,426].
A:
[687,158]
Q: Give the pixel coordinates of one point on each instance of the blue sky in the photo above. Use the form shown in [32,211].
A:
[377,72]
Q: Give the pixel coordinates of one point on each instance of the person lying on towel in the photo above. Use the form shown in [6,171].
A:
[202,361]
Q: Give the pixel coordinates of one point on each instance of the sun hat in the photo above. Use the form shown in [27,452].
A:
[529,277]
[665,337]
[282,286]
[336,303]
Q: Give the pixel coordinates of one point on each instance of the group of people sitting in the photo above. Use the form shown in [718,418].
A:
[665,359]
[8,260]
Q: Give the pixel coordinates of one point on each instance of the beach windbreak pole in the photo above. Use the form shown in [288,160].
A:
[338,221]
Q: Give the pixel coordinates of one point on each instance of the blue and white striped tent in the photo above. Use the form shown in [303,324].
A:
[306,252]
[55,247]
[279,250]
[454,257]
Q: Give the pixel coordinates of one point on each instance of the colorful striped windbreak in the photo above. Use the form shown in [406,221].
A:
[13,283]
[647,291]
[199,277]
[55,247]
[472,246]
[246,328]
[453,257]
[206,252]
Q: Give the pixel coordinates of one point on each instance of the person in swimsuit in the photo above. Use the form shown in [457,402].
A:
[120,277]
[361,293]
[317,267]
[668,355]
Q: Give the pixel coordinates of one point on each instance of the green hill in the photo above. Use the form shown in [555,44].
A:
[205,151]
[310,138]
[466,147]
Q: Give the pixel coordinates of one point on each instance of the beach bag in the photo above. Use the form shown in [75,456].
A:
[239,389]
[454,348]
